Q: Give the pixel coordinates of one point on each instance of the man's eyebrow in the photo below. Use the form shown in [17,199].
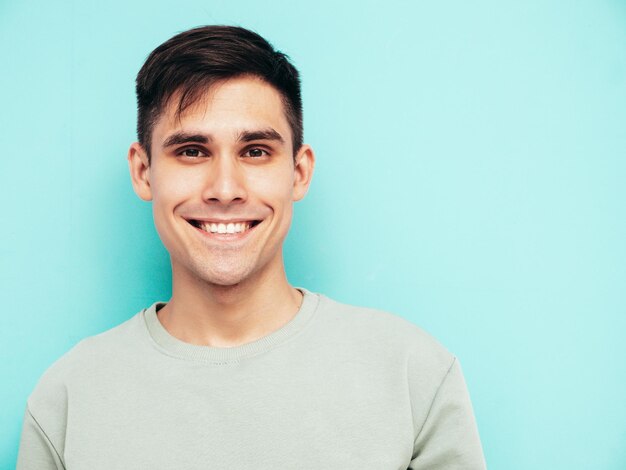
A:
[261,134]
[185,138]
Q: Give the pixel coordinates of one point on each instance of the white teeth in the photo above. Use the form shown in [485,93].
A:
[231,227]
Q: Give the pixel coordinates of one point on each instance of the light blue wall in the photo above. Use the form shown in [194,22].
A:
[471,177]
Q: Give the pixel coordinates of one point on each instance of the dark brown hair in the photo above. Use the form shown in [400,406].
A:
[190,62]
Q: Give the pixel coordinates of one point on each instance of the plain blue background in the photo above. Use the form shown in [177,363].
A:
[471,178]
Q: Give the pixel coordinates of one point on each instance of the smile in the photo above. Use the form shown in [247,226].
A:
[224,227]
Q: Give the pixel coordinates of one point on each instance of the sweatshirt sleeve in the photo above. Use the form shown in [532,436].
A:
[449,437]
[36,451]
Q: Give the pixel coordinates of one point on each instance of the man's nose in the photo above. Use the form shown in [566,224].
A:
[225,181]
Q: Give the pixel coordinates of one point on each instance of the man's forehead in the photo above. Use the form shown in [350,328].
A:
[250,91]
[251,100]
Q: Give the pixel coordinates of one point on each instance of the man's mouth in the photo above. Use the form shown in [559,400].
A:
[224,227]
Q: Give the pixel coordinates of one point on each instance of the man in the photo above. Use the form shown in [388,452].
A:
[239,369]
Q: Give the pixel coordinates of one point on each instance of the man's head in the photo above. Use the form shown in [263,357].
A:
[188,64]
[222,158]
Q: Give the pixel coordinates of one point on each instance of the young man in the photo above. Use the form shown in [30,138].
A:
[239,369]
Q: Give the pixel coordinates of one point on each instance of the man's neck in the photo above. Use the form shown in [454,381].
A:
[228,316]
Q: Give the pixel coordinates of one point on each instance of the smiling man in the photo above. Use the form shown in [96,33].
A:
[239,369]
[222,176]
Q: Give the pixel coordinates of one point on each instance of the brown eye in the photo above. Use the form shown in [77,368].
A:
[255,153]
[190,153]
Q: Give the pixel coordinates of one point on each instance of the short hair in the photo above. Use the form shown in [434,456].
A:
[190,62]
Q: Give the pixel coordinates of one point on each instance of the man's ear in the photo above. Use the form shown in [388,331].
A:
[304,165]
[139,167]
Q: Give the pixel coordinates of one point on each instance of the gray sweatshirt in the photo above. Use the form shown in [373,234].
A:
[338,387]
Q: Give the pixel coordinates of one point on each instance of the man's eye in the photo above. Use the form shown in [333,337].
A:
[191,152]
[255,153]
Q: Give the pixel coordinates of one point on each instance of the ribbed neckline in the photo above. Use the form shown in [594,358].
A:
[177,348]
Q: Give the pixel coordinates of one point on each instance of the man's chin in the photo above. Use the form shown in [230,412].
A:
[225,278]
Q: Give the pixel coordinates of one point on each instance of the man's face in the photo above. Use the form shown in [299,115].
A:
[222,181]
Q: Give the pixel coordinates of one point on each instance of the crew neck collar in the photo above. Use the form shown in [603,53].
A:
[175,347]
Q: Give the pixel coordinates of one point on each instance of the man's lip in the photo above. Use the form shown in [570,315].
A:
[224,225]
[223,221]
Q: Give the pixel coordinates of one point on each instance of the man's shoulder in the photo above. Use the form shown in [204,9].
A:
[383,332]
[106,344]
[87,358]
